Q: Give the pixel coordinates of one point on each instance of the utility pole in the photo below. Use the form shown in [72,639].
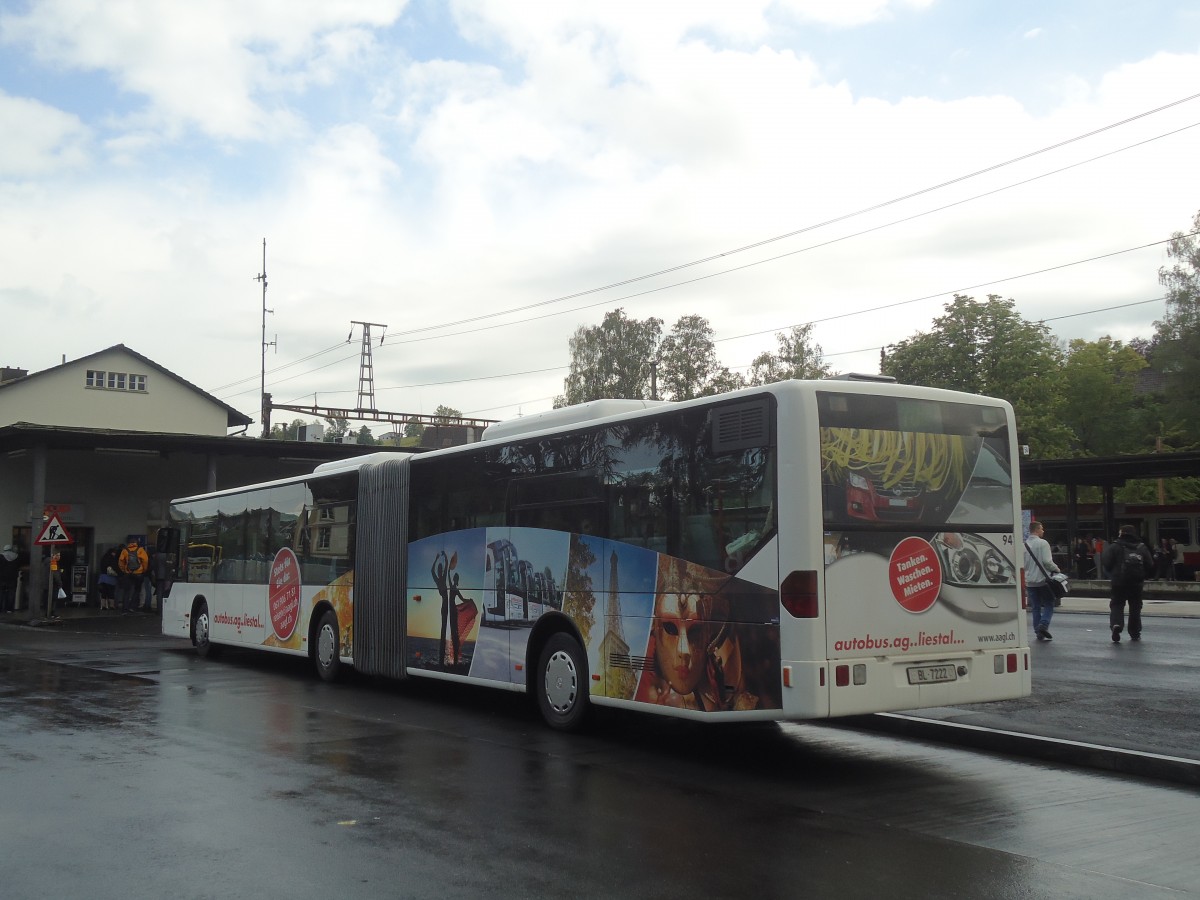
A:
[265,404]
[366,409]
[366,367]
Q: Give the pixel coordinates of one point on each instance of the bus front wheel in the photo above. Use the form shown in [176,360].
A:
[561,683]
[328,653]
[202,631]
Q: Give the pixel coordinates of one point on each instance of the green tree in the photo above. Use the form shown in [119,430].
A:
[1098,401]
[336,431]
[364,438]
[1177,354]
[797,357]
[612,359]
[688,366]
[988,348]
[414,431]
[724,380]
[288,432]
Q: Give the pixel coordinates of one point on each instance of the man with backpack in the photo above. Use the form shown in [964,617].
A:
[1128,561]
[132,564]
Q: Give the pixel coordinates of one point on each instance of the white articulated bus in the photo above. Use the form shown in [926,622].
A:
[802,550]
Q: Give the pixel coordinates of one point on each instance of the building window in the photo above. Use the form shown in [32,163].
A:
[115,381]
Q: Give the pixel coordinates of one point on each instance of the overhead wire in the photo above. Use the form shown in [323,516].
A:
[959,290]
[824,355]
[295,362]
[781,256]
[776,238]
[783,328]
[827,222]
[805,249]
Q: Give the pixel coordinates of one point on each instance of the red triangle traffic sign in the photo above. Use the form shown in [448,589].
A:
[54,533]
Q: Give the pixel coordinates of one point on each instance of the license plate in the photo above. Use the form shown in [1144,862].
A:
[898,501]
[931,674]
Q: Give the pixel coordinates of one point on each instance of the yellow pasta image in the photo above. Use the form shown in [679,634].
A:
[878,475]
[930,461]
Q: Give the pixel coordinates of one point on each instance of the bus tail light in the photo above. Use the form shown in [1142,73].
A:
[798,594]
[844,674]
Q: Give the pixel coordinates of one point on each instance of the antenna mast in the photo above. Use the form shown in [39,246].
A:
[265,401]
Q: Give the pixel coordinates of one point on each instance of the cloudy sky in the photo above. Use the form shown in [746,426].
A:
[482,177]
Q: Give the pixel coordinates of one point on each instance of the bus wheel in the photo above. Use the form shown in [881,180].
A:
[201,631]
[561,683]
[329,666]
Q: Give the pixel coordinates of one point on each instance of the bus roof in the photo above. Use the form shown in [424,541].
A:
[333,467]
[597,410]
[566,415]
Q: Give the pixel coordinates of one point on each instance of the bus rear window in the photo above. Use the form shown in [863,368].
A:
[889,461]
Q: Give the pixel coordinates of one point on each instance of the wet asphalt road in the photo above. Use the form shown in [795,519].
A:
[130,768]
[1143,698]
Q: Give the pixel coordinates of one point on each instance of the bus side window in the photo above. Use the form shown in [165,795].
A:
[328,542]
[572,502]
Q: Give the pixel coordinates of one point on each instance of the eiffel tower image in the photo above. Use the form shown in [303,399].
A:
[619,678]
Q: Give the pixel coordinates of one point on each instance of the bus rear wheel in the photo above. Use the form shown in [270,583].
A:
[327,654]
[202,631]
[561,684]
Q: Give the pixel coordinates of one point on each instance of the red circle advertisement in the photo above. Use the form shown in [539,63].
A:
[283,594]
[915,574]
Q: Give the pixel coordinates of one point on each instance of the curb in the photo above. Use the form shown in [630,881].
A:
[1074,753]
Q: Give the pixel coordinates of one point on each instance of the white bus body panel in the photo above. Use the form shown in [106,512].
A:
[861,624]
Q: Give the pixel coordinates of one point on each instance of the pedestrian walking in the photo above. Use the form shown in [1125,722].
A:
[52,571]
[1128,562]
[1083,558]
[147,601]
[110,564]
[1039,568]
[160,568]
[1162,560]
[10,568]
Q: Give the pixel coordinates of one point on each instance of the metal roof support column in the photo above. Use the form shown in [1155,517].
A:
[1110,515]
[1072,520]
[37,581]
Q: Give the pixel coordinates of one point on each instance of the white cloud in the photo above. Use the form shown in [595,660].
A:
[38,139]
[847,13]
[549,148]
[204,63]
